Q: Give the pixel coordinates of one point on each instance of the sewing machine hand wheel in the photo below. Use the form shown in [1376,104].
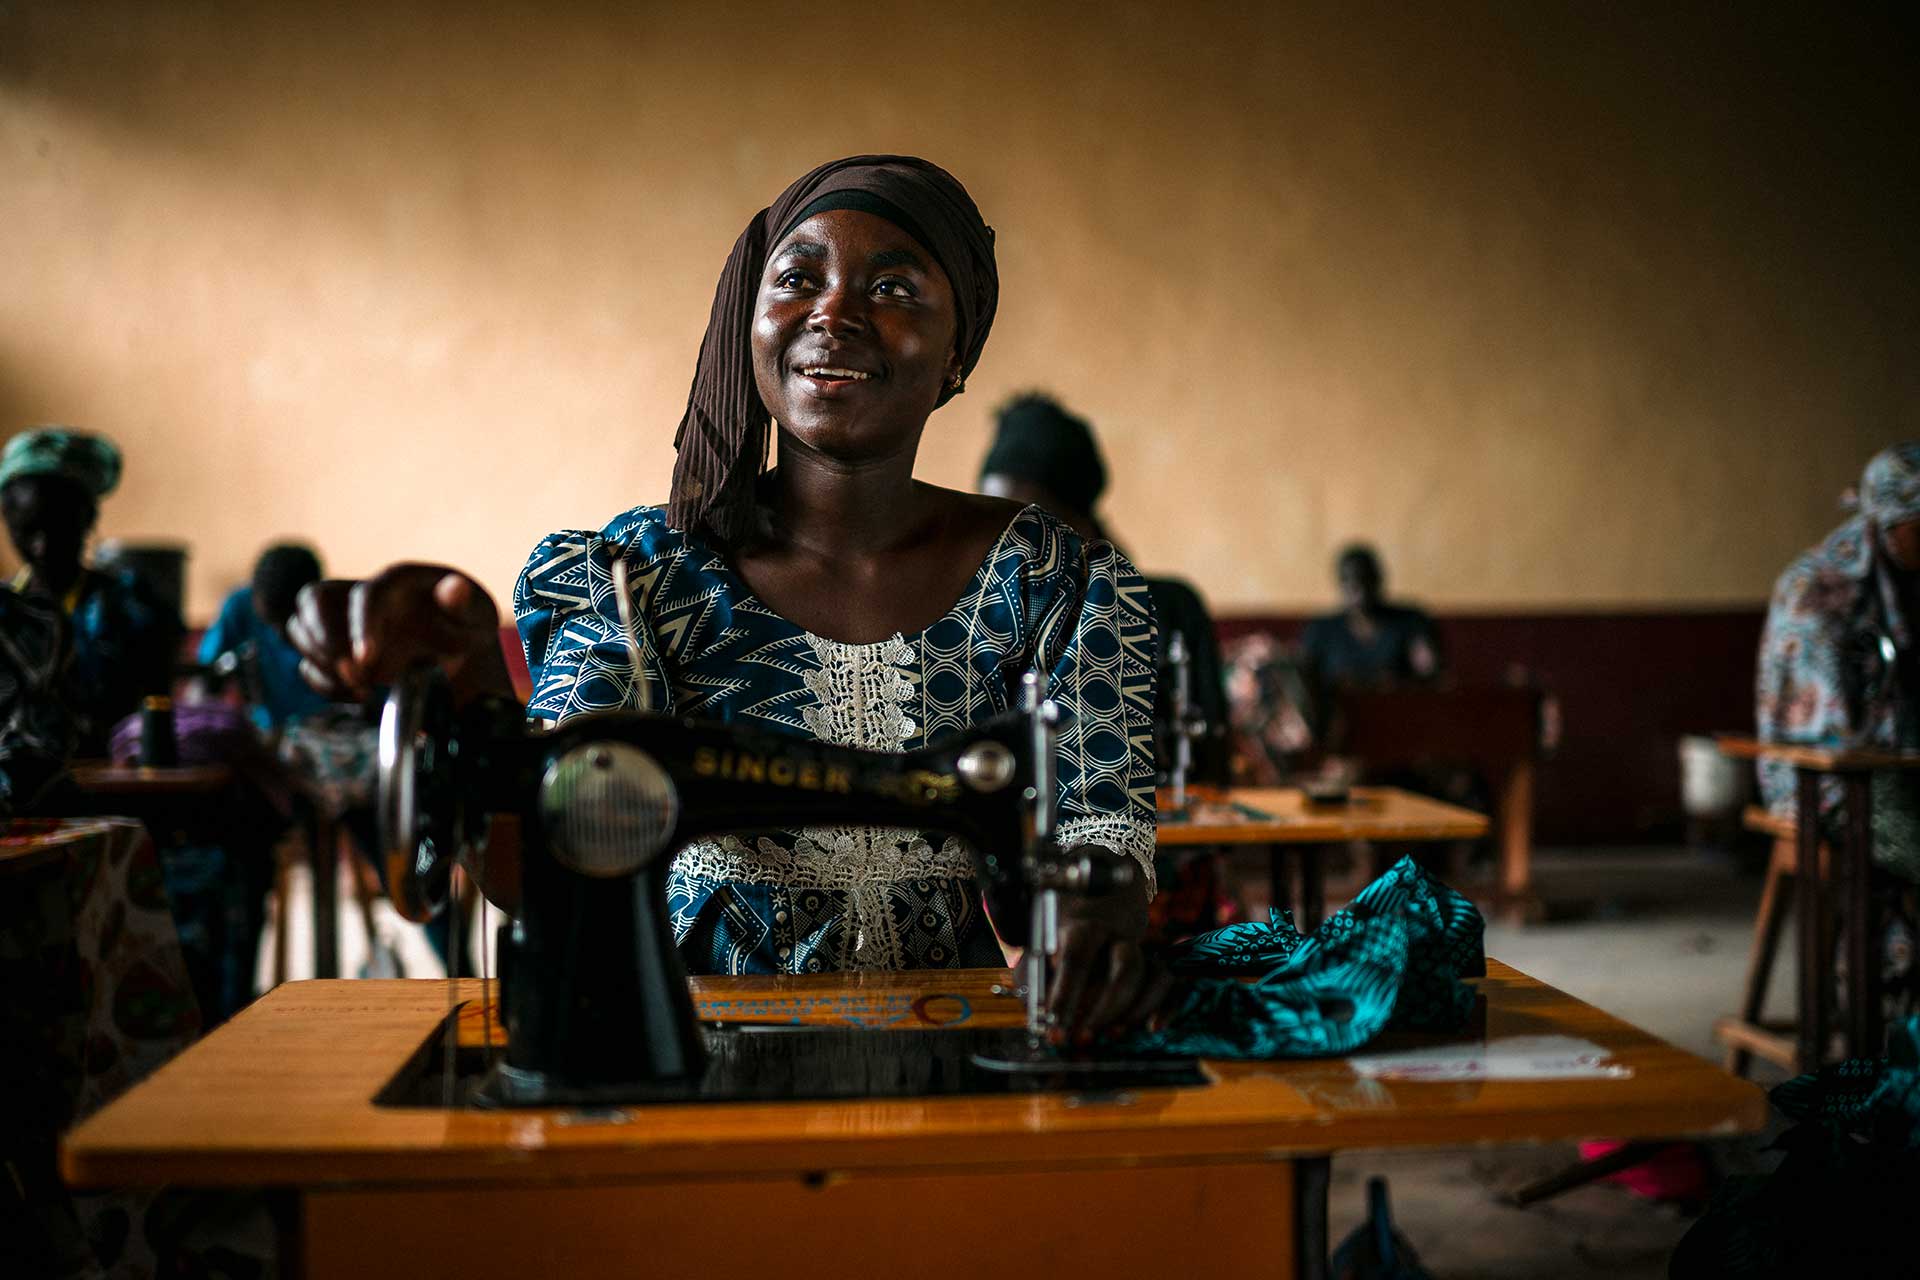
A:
[418,800]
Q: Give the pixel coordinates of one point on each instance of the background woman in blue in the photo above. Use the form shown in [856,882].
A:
[833,597]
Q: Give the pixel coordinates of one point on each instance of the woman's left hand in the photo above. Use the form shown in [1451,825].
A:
[1104,984]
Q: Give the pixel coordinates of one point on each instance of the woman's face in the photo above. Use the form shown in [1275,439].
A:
[49,518]
[1903,545]
[853,335]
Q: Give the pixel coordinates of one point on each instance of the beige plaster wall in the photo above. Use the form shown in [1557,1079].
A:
[1563,305]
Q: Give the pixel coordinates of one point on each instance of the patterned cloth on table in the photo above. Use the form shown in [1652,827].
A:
[1840,1202]
[1838,667]
[335,755]
[1393,959]
[94,995]
[854,897]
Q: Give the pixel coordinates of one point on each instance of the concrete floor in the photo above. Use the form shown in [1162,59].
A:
[1657,937]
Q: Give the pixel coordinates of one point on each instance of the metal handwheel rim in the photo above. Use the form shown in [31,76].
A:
[407,851]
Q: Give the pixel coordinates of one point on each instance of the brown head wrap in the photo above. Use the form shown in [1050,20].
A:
[722,441]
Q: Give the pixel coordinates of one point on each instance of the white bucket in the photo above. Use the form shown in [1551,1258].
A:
[1709,781]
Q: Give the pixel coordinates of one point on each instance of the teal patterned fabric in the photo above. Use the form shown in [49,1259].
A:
[1841,1201]
[1393,959]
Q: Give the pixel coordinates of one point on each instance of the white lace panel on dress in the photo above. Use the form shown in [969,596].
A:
[863,697]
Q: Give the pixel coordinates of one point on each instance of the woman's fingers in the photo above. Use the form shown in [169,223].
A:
[352,636]
[1104,985]
[1124,970]
[412,613]
[321,682]
[321,632]
[1081,945]
[460,597]
[1151,1005]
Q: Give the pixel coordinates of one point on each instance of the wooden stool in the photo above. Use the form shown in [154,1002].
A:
[1745,1035]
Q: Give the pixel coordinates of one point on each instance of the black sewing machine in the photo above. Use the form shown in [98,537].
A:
[593,995]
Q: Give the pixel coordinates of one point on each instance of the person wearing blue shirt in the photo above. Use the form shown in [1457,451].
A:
[250,633]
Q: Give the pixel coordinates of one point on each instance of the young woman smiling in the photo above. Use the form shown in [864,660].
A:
[833,596]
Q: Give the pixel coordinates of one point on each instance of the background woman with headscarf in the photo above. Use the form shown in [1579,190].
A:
[1044,455]
[124,635]
[1839,666]
[832,597]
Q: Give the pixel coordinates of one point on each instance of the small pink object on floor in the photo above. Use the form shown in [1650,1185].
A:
[1676,1173]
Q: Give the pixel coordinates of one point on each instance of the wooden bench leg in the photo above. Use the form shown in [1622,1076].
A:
[1816,933]
[1776,897]
[1514,816]
[1866,1038]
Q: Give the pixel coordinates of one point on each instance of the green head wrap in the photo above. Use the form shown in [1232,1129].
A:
[91,461]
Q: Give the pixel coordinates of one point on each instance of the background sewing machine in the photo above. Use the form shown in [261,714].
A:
[577,826]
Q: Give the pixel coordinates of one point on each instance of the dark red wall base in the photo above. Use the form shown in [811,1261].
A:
[1629,685]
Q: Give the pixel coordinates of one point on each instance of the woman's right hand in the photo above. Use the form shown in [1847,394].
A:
[356,636]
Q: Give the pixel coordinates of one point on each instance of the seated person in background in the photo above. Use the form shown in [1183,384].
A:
[1839,667]
[833,597]
[1369,642]
[328,750]
[250,631]
[1372,643]
[1043,455]
[1269,704]
[36,731]
[124,636]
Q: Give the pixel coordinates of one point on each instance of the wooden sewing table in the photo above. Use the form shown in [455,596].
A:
[1286,821]
[1149,1182]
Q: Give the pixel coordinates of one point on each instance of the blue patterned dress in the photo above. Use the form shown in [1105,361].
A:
[817,899]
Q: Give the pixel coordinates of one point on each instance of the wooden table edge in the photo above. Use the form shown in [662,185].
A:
[1808,755]
[1323,825]
[91,1156]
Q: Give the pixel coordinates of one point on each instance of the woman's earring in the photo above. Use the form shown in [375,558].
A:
[958,386]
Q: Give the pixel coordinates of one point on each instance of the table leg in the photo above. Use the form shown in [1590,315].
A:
[1863,935]
[1810,903]
[323,855]
[1279,883]
[1516,836]
[1312,1249]
[1313,886]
